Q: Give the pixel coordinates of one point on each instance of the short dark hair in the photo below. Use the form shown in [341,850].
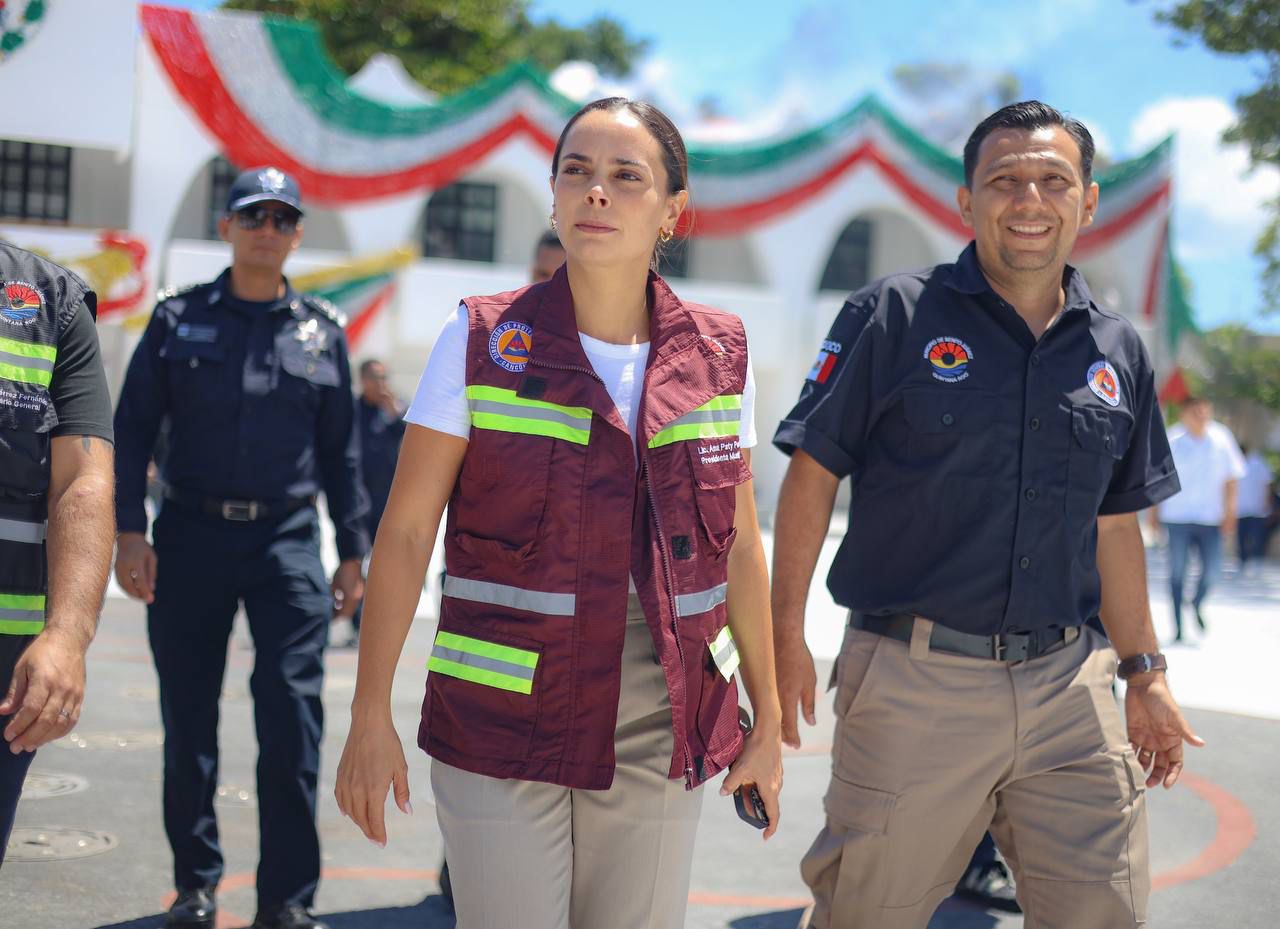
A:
[367,366]
[548,239]
[1195,400]
[1029,115]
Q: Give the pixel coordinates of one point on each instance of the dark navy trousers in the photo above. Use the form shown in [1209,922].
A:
[207,567]
[13,768]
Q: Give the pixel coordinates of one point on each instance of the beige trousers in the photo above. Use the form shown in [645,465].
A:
[931,749]
[528,855]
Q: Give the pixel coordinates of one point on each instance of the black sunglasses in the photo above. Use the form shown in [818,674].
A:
[253,217]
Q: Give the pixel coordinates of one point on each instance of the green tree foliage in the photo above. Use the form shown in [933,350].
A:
[1238,366]
[1247,27]
[448,45]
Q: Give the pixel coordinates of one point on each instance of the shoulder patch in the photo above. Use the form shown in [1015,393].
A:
[325,309]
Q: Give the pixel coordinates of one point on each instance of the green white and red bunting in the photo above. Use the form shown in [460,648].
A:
[19,20]
[268,92]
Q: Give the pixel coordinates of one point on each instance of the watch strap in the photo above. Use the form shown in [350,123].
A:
[1141,664]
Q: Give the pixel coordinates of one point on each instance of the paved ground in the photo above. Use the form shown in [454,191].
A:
[1216,840]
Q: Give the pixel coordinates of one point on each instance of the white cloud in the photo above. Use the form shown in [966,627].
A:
[1221,204]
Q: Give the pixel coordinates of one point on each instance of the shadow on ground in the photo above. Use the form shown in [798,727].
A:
[431,913]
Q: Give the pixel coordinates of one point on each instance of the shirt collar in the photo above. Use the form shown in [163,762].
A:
[291,300]
[967,278]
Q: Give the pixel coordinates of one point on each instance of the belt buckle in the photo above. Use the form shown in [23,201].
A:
[240,511]
[1001,646]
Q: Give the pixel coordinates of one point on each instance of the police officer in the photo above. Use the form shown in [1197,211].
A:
[1001,431]
[55,474]
[379,414]
[253,380]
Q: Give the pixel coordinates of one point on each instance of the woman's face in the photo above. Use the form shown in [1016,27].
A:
[610,194]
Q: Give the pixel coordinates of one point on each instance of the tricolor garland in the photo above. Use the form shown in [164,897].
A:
[18,23]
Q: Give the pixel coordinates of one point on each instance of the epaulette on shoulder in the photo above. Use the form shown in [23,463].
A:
[325,308]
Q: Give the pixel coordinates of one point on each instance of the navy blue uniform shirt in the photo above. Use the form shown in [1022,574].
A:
[980,459]
[380,437]
[258,401]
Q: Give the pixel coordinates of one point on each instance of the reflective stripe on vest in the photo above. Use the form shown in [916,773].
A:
[19,530]
[517,598]
[503,411]
[719,416]
[701,601]
[21,614]
[483,662]
[27,363]
[724,651]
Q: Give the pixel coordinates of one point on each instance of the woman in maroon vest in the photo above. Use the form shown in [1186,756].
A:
[590,435]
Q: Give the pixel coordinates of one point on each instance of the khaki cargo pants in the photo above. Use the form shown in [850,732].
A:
[931,749]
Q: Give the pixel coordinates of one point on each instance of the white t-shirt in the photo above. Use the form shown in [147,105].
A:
[1204,466]
[1251,496]
[441,400]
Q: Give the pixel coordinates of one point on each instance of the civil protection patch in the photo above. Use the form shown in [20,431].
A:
[1104,382]
[510,344]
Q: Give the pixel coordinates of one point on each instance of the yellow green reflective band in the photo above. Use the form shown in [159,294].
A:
[481,662]
[21,614]
[27,363]
[501,410]
[724,651]
[718,417]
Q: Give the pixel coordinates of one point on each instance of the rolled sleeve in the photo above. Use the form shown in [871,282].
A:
[1146,474]
[829,421]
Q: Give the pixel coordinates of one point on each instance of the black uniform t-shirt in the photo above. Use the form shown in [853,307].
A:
[79,387]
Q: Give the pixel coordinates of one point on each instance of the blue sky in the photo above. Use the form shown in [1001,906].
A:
[1108,62]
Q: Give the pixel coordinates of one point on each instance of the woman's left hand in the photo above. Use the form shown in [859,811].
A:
[760,763]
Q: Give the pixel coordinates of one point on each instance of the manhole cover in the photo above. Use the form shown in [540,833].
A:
[57,844]
[234,795]
[40,784]
[131,740]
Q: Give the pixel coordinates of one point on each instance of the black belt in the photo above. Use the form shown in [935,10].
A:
[1011,646]
[238,511]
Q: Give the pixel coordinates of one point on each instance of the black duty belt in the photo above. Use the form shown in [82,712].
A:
[1011,646]
[237,511]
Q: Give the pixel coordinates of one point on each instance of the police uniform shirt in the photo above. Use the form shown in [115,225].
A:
[258,402]
[979,458]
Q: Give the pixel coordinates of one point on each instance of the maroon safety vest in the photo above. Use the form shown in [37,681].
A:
[549,517]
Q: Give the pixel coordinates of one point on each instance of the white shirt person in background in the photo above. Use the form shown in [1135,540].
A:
[1209,466]
[1253,510]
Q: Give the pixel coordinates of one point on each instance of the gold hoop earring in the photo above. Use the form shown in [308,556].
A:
[665,236]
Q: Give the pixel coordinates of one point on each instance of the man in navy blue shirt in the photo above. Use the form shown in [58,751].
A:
[253,381]
[381,422]
[1000,430]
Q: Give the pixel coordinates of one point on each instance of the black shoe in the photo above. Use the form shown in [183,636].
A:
[194,909]
[990,886]
[287,917]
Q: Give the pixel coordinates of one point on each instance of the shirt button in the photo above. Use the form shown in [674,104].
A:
[1035,423]
[1024,562]
[195,362]
[1031,493]
[947,419]
[1035,361]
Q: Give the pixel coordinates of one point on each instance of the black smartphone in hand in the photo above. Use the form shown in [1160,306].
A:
[749,804]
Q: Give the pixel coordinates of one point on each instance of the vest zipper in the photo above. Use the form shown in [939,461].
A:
[662,547]
[675,616]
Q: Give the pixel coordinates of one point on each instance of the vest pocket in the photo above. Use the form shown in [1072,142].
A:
[505,479]
[715,496]
[482,693]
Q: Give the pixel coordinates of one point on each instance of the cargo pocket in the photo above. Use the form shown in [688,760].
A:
[858,818]
[482,694]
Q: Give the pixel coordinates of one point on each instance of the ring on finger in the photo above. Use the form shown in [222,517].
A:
[64,714]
